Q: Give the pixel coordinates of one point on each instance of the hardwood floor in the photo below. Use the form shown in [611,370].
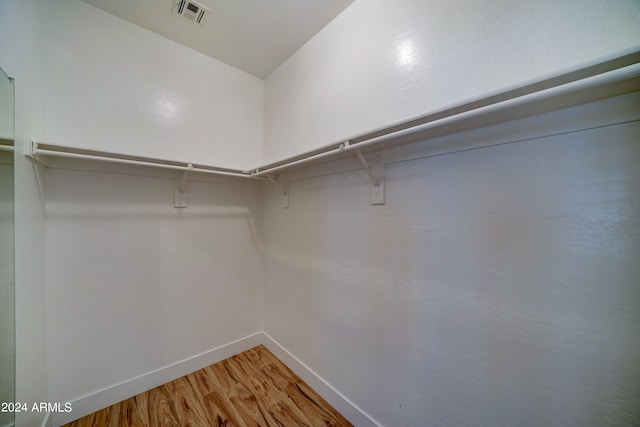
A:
[250,389]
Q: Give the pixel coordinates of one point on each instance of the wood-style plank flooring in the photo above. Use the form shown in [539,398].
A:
[250,389]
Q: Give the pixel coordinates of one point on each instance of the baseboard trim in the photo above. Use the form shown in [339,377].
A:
[46,422]
[97,400]
[342,404]
[108,396]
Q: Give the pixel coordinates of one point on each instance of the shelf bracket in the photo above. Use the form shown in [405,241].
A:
[376,177]
[343,147]
[31,152]
[282,185]
[180,189]
[30,149]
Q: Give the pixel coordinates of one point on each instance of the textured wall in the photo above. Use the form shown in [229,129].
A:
[114,86]
[496,286]
[380,62]
[134,284]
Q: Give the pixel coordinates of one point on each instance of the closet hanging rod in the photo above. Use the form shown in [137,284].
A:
[6,148]
[600,79]
[475,110]
[151,163]
[260,172]
[239,174]
[558,93]
[52,153]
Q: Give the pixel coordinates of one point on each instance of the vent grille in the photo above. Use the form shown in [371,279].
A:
[190,9]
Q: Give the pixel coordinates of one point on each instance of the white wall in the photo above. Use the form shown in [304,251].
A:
[134,284]
[380,62]
[23,27]
[114,86]
[496,286]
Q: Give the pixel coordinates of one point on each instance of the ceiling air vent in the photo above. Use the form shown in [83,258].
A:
[190,9]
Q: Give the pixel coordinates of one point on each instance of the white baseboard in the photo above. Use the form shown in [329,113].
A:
[348,409]
[108,396]
[46,422]
[95,401]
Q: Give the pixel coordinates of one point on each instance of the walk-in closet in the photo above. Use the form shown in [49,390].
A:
[301,213]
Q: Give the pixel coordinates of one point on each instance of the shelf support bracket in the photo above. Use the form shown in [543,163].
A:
[282,185]
[30,149]
[31,152]
[180,192]
[376,177]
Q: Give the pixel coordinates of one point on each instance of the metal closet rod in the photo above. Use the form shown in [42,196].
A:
[145,161]
[590,77]
[616,68]
[6,148]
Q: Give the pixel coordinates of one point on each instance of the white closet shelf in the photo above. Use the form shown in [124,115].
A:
[594,81]
[36,149]
[605,78]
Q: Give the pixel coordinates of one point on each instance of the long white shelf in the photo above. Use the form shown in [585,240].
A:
[599,80]
[591,82]
[41,149]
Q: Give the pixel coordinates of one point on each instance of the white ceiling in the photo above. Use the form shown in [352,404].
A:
[255,36]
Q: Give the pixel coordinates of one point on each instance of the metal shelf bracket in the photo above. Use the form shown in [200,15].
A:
[282,185]
[31,152]
[375,173]
[30,149]
[180,192]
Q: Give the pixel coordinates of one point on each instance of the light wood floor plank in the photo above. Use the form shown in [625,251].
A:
[204,381]
[259,356]
[134,412]
[241,397]
[281,408]
[107,417]
[251,389]
[316,409]
[187,403]
[254,379]
[221,411]
[161,409]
